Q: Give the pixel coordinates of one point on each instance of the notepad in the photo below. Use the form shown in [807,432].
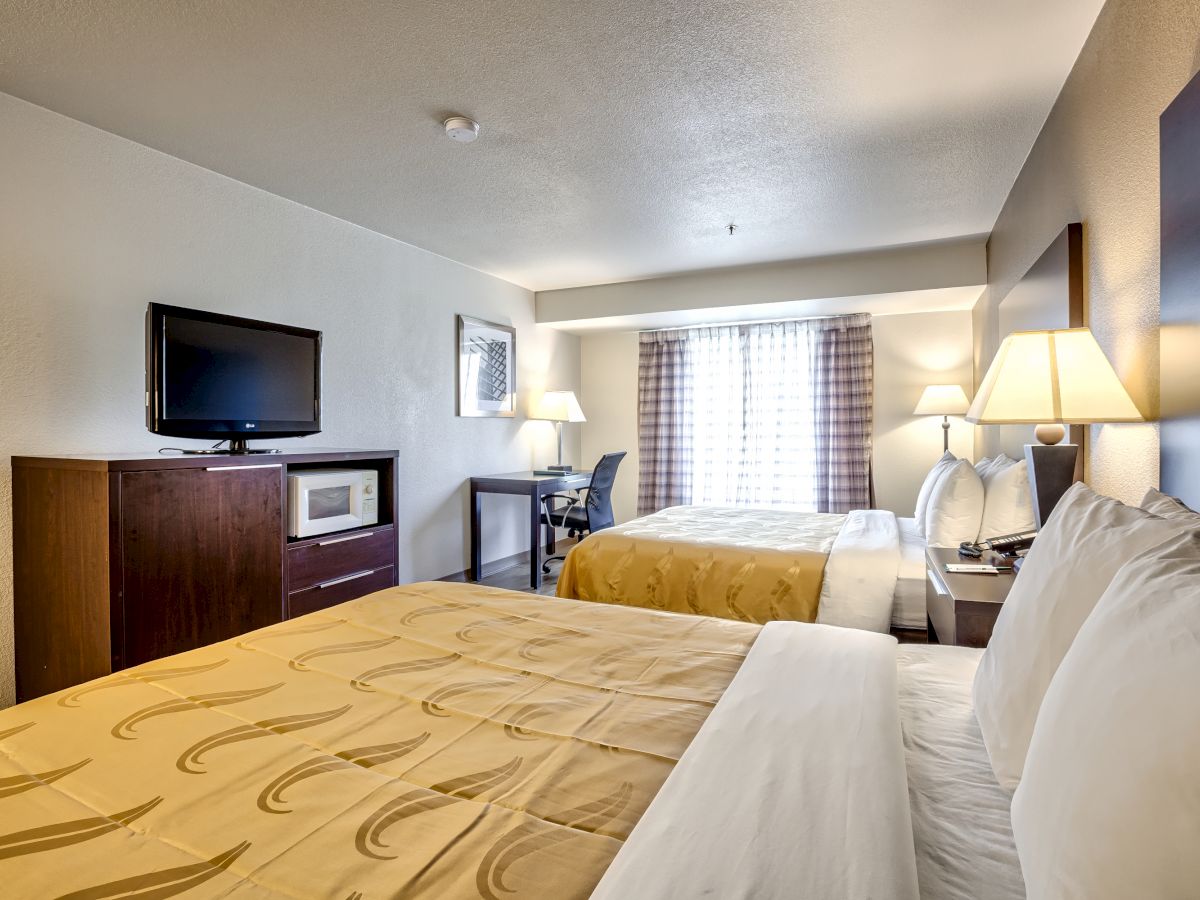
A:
[975,569]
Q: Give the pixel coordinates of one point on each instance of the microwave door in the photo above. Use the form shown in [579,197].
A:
[331,507]
[329,502]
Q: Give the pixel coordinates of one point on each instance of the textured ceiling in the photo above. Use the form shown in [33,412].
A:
[618,136]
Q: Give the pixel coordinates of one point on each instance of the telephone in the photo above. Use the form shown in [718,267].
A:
[1008,544]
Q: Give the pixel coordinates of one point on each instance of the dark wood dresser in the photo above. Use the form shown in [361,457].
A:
[118,560]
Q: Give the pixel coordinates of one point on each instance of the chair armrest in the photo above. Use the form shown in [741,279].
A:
[546,510]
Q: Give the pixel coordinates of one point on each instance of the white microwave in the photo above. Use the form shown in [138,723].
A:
[325,500]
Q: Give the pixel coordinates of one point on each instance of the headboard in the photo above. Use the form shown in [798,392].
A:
[1179,344]
[1049,295]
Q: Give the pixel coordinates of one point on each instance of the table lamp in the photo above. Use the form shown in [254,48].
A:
[559,407]
[943,400]
[1051,379]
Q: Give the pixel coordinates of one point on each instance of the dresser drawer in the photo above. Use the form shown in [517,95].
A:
[339,590]
[332,557]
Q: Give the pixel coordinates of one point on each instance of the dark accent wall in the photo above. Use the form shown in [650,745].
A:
[1179,348]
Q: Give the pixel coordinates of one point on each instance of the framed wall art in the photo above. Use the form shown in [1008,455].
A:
[487,368]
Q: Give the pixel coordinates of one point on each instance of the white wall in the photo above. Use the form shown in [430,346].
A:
[609,399]
[911,351]
[93,226]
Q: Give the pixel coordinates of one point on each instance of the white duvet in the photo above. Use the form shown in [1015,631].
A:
[859,587]
[794,787]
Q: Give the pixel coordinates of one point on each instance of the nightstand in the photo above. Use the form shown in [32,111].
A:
[961,609]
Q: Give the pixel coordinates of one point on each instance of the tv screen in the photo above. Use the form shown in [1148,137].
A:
[215,375]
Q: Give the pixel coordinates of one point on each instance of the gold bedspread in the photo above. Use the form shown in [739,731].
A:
[434,740]
[754,565]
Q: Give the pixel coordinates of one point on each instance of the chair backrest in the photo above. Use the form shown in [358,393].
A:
[599,498]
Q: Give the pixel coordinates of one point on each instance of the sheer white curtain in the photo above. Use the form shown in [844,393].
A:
[752,436]
[771,414]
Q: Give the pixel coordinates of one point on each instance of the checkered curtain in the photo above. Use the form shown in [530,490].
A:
[841,363]
[776,413]
[664,421]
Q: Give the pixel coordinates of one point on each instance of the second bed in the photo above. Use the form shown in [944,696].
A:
[862,570]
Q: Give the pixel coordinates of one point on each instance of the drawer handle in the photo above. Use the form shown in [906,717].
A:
[243,468]
[342,540]
[345,578]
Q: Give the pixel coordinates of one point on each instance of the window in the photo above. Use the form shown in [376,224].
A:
[770,414]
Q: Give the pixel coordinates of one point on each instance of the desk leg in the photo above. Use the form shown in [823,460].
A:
[476,550]
[535,540]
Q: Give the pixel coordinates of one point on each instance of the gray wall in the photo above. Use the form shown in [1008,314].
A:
[93,226]
[1096,162]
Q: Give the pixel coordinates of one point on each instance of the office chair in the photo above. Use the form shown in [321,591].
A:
[584,514]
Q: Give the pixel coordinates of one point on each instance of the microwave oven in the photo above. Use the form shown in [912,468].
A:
[325,500]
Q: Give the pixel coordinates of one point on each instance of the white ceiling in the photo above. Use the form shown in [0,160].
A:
[618,136]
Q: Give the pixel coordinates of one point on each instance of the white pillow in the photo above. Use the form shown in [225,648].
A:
[955,507]
[983,465]
[1168,507]
[1007,499]
[947,460]
[1086,540]
[1109,806]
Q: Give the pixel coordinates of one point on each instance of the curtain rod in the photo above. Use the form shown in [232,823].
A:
[749,322]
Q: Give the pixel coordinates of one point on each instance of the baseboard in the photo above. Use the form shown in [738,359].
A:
[491,568]
[562,545]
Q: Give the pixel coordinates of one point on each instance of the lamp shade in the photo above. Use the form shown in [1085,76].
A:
[942,400]
[1051,376]
[559,406]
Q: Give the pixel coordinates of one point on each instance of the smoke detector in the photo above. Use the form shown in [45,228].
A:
[461,129]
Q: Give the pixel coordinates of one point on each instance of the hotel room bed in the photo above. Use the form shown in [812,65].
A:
[960,815]
[864,570]
[450,740]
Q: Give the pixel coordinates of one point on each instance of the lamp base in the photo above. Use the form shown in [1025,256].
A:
[1051,473]
[1050,433]
[561,468]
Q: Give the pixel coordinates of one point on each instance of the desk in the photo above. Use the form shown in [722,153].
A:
[535,487]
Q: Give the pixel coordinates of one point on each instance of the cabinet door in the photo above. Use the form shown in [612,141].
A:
[202,556]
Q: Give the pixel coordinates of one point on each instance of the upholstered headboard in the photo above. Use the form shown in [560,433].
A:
[1179,134]
[1049,295]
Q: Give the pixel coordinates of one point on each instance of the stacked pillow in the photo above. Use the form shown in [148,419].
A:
[1086,698]
[939,469]
[955,506]
[1087,539]
[1108,807]
[960,502]
[1008,498]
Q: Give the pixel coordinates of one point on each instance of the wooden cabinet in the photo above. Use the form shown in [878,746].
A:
[119,560]
[228,581]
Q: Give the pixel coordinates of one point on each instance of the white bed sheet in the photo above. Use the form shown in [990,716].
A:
[793,788]
[960,815]
[908,610]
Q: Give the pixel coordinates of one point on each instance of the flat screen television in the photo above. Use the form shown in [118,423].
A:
[215,376]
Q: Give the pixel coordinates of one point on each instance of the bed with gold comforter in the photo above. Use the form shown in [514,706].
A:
[434,739]
[752,565]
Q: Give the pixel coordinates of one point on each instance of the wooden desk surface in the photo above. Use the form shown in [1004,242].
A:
[530,477]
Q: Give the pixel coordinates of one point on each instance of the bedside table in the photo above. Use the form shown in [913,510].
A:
[961,609]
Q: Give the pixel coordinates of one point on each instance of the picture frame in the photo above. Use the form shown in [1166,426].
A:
[487,368]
